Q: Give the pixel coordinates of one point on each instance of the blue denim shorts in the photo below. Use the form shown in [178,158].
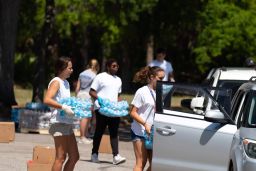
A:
[135,137]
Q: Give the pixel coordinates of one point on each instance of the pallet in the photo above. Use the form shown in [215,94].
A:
[39,131]
[44,131]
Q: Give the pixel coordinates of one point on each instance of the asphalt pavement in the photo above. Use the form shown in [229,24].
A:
[14,155]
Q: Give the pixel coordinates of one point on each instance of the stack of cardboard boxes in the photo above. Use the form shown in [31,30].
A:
[7,132]
[43,159]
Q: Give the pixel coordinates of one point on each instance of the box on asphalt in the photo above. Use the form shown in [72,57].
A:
[105,146]
[43,154]
[34,166]
[7,132]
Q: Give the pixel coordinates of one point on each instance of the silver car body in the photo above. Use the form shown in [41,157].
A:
[196,145]
[188,140]
[244,114]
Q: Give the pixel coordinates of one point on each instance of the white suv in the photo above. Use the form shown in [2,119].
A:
[229,77]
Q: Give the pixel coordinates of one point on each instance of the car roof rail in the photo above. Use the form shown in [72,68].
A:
[223,68]
[253,79]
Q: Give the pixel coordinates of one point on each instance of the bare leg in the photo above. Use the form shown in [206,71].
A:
[61,151]
[73,154]
[149,157]
[93,123]
[84,127]
[140,155]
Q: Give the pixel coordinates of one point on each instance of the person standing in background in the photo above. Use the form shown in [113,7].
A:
[162,63]
[249,62]
[61,126]
[106,85]
[142,112]
[82,91]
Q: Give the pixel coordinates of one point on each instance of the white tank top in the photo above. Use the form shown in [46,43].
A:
[63,92]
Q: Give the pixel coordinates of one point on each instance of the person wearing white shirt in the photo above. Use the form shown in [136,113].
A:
[106,85]
[61,126]
[142,112]
[162,63]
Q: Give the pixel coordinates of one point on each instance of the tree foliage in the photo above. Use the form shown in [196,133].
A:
[203,33]
[108,15]
[227,34]
[101,24]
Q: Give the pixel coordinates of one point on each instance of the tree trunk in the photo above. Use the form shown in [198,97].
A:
[42,52]
[126,70]
[106,51]
[85,48]
[150,49]
[8,27]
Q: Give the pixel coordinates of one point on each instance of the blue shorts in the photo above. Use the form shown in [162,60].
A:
[135,137]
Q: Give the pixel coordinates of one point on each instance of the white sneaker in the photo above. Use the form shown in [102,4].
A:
[118,159]
[85,140]
[94,158]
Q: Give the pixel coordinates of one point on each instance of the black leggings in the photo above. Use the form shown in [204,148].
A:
[101,123]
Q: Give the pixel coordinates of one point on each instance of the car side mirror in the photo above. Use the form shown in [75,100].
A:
[197,103]
[215,116]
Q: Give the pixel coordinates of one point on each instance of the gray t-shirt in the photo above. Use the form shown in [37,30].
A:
[86,77]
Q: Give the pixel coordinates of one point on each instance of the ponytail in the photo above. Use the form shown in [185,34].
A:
[143,75]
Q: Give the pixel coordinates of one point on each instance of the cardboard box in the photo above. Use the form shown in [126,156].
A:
[34,166]
[43,154]
[7,131]
[105,146]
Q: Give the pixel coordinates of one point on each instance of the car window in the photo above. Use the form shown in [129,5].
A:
[252,113]
[223,97]
[235,104]
[241,113]
[187,99]
[250,116]
[231,84]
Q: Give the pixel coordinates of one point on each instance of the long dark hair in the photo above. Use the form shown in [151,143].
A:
[61,64]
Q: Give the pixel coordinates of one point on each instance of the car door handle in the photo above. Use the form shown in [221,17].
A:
[166,131]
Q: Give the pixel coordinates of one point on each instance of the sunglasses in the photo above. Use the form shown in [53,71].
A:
[160,78]
[114,66]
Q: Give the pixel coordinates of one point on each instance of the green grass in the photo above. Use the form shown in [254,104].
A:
[22,95]
[127,97]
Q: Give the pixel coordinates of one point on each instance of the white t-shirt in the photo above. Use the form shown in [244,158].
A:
[145,103]
[63,92]
[107,86]
[165,65]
